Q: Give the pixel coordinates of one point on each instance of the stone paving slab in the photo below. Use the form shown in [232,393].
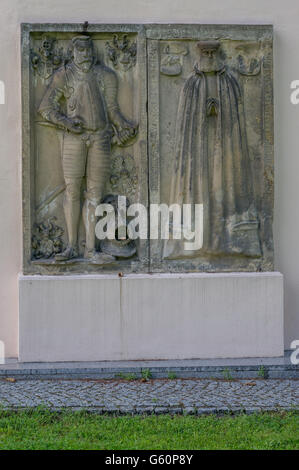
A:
[238,368]
[191,396]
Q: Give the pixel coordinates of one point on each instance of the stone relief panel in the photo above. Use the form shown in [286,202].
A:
[86,130]
[214,145]
[173,115]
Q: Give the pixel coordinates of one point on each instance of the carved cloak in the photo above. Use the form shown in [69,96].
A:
[212,167]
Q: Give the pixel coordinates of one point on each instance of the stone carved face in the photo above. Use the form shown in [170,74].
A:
[83,55]
[209,57]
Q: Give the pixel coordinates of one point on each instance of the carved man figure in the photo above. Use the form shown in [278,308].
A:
[212,164]
[82,100]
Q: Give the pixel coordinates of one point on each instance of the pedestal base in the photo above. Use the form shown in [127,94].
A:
[160,316]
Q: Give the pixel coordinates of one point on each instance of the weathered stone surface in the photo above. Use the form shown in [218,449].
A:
[157,113]
[211,142]
[84,112]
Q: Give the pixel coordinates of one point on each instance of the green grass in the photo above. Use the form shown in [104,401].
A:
[42,429]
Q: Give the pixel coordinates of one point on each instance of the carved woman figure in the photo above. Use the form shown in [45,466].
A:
[212,165]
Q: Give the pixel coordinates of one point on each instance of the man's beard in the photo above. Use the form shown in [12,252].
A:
[85,65]
[209,65]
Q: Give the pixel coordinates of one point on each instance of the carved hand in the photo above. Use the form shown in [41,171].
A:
[74,125]
[126,130]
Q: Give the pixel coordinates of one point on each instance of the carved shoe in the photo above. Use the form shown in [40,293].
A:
[89,254]
[69,253]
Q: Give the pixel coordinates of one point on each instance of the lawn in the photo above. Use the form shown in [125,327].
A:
[42,429]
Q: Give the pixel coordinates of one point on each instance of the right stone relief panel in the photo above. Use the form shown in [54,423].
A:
[211,147]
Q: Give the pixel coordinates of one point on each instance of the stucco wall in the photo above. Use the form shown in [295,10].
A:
[285,18]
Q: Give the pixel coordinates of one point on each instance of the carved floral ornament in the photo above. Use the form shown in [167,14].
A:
[82,101]
[48,58]
[47,238]
[122,51]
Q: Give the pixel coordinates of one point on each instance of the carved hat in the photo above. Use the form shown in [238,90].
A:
[81,38]
[208,45]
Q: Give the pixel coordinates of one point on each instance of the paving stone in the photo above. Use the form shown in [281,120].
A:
[185,396]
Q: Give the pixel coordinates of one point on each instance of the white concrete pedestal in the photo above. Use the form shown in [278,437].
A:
[160,316]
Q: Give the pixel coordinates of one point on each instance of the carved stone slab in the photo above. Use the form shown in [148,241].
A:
[84,142]
[211,142]
[161,114]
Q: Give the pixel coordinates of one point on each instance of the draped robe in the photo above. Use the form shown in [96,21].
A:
[212,167]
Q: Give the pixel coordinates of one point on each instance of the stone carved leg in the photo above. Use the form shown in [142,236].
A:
[72,208]
[97,173]
[93,198]
[73,162]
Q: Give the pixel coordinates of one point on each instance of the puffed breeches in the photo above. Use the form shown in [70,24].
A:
[86,154]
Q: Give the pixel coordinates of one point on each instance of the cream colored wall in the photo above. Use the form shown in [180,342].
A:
[285,18]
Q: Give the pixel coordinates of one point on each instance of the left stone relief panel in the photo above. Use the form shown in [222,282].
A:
[84,144]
